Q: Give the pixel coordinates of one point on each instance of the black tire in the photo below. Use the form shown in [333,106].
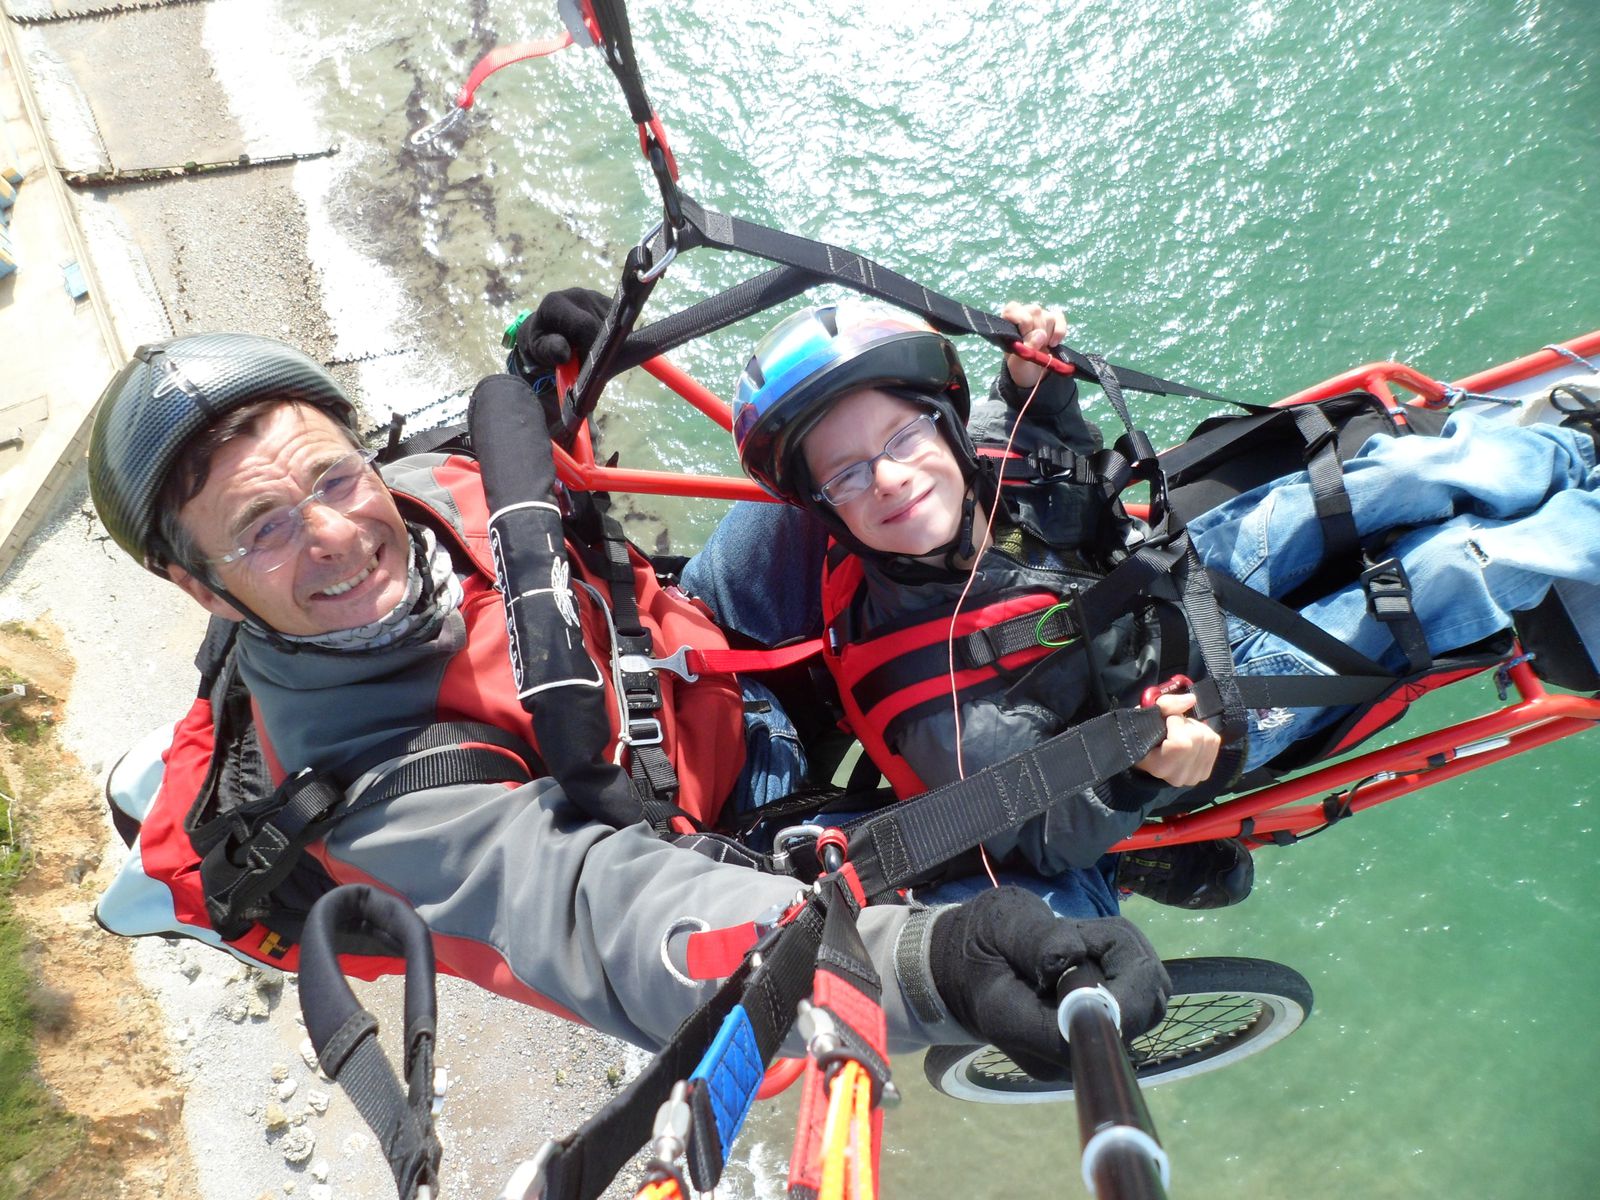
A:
[1221,1010]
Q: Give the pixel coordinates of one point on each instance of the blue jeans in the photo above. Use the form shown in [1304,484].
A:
[1091,892]
[774,759]
[761,572]
[1505,512]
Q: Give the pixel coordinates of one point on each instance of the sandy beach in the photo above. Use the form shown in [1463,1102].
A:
[225,1106]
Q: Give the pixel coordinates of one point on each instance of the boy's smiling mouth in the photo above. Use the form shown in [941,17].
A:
[902,513]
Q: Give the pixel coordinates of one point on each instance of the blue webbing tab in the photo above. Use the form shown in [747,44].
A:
[731,1072]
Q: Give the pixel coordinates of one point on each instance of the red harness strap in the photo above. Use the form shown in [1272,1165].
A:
[839,1134]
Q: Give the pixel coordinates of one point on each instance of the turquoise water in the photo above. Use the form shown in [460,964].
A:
[1249,196]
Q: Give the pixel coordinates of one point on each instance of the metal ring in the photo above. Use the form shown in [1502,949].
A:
[681,925]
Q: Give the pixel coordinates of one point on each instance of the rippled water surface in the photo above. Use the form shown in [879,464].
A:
[1251,196]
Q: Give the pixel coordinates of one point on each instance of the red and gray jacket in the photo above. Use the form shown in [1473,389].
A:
[524,893]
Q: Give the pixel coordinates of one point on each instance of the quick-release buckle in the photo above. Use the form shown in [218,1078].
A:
[642,689]
[1178,683]
[1388,590]
[642,664]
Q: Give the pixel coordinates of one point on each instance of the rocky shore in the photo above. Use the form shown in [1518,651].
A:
[216,252]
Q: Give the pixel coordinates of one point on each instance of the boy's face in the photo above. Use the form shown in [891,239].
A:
[912,508]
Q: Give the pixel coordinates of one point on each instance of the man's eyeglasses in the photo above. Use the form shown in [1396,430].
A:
[905,445]
[271,539]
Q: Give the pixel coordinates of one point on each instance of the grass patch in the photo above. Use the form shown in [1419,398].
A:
[39,1136]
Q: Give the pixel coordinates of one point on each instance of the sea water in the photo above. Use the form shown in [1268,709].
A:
[1248,196]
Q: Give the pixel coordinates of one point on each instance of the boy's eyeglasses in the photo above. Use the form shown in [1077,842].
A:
[273,537]
[905,445]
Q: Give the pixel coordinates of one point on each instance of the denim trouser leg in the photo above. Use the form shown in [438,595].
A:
[774,760]
[761,572]
[1090,892]
[1505,512]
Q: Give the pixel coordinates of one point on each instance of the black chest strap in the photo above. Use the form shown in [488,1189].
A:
[252,848]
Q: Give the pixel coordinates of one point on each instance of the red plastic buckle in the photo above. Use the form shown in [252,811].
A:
[835,838]
[1043,358]
[1178,683]
[655,129]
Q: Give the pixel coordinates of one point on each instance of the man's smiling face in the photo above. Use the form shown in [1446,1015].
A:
[345,570]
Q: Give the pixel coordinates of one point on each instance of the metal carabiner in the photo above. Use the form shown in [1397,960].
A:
[655,270]
[791,833]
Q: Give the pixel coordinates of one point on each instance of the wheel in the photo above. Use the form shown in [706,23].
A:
[1221,1010]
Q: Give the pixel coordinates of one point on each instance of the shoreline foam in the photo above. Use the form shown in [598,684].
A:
[255,53]
[255,251]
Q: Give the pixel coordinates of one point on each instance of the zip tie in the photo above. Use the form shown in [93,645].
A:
[1453,395]
[1569,355]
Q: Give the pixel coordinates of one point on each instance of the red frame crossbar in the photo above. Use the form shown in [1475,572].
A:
[1535,718]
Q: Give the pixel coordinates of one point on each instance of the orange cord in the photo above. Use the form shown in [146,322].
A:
[847,1138]
[972,574]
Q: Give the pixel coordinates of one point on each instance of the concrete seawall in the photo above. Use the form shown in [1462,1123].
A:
[176,256]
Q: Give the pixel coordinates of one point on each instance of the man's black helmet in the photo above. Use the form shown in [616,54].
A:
[170,391]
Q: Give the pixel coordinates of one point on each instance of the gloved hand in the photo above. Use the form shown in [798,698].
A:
[996,960]
[565,324]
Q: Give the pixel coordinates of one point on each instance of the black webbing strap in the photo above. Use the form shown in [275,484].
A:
[262,843]
[583,1164]
[1266,613]
[1339,538]
[1046,463]
[905,841]
[1208,629]
[1388,589]
[1054,626]
[654,778]
[616,43]
[600,363]
[253,848]
[754,295]
[820,259]
[345,1035]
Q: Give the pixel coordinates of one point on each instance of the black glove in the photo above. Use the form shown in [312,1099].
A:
[565,324]
[996,960]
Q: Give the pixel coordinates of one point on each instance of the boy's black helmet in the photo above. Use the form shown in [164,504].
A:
[170,391]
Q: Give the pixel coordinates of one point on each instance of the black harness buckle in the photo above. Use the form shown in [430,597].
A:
[1388,591]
